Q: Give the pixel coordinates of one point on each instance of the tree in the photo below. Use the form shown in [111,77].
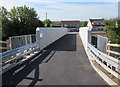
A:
[22,20]
[25,18]
[83,23]
[113,29]
[47,22]
[4,23]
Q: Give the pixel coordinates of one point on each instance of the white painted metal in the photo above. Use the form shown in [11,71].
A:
[110,60]
[46,36]
[95,53]
[102,43]
[18,53]
[18,41]
[84,35]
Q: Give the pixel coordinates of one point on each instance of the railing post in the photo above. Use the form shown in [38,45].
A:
[7,44]
[26,39]
[10,45]
[109,49]
[108,46]
[30,39]
[38,37]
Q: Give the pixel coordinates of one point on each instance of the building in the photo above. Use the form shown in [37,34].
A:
[71,25]
[96,24]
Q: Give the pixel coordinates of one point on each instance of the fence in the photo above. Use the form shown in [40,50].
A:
[100,43]
[4,46]
[114,50]
[16,56]
[18,41]
[109,63]
[44,36]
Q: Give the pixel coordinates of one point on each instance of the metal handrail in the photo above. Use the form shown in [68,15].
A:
[10,51]
[18,50]
[15,55]
[110,60]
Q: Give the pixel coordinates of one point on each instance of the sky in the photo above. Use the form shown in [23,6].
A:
[58,10]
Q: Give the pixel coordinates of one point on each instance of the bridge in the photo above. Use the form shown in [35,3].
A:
[64,62]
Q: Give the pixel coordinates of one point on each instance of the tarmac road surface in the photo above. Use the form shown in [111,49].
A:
[64,62]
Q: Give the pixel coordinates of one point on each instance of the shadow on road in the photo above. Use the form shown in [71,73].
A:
[17,74]
[66,43]
[21,72]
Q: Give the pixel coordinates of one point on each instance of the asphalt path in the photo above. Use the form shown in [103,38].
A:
[64,62]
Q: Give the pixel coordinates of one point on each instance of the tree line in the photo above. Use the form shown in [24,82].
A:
[20,21]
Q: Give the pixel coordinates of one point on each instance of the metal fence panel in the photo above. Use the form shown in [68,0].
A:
[102,43]
[18,41]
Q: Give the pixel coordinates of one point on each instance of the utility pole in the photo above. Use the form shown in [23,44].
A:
[46,21]
[46,16]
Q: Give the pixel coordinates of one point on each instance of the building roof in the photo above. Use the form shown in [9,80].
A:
[96,20]
[70,22]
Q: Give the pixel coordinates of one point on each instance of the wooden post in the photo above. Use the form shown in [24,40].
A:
[108,48]
[7,44]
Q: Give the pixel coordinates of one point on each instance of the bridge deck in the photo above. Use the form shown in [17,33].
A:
[62,63]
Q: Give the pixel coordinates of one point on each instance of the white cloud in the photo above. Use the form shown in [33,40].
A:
[41,1]
[69,11]
[83,12]
[10,4]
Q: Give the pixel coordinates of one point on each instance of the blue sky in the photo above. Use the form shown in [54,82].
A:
[68,9]
[88,3]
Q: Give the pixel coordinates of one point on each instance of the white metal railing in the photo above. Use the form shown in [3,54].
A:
[44,37]
[101,57]
[111,64]
[12,58]
[22,40]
